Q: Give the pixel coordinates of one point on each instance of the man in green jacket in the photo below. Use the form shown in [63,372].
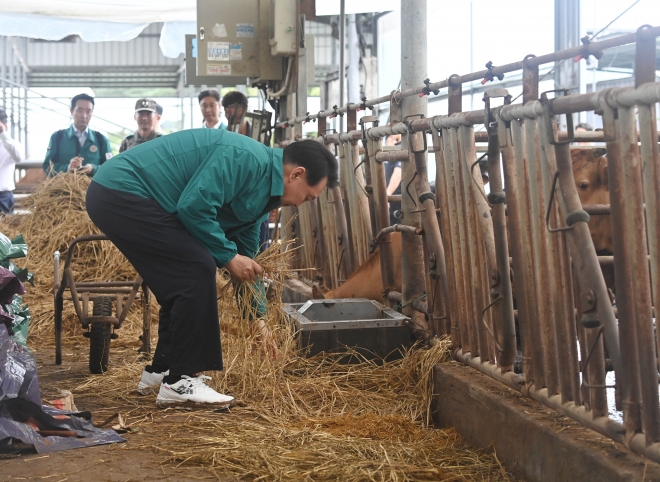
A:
[181,206]
[77,148]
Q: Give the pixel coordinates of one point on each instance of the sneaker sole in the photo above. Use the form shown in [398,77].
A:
[177,403]
[148,391]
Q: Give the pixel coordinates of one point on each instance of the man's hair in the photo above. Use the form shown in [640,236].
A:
[81,97]
[234,97]
[159,109]
[3,116]
[315,158]
[585,125]
[208,93]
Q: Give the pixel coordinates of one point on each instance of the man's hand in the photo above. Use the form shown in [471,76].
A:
[263,341]
[75,163]
[243,268]
[85,169]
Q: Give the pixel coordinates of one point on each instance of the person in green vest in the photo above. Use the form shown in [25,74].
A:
[77,148]
[181,206]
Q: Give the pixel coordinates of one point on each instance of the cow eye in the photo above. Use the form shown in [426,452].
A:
[584,185]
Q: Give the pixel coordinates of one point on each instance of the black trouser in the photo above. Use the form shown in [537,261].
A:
[178,270]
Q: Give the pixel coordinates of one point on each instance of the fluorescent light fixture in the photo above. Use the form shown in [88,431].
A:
[331,7]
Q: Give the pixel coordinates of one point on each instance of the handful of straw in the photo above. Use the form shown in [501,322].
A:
[275,262]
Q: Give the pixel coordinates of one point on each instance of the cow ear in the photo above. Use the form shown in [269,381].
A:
[599,151]
[602,171]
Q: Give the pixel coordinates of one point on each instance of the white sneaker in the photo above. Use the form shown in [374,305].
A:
[192,391]
[149,382]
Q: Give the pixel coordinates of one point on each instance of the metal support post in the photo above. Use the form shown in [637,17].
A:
[413,71]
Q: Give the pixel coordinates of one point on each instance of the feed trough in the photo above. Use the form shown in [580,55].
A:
[337,325]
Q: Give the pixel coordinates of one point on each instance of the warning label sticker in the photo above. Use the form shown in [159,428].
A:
[236,51]
[218,51]
[223,69]
[245,30]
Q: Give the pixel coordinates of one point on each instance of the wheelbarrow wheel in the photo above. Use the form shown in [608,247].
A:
[99,337]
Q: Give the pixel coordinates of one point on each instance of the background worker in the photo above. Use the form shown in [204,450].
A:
[145,115]
[393,177]
[584,127]
[158,115]
[11,153]
[77,148]
[235,105]
[179,207]
[209,104]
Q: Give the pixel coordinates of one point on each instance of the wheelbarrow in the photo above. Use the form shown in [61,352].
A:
[101,326]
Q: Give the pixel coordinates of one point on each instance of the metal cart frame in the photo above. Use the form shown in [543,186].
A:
[124,293]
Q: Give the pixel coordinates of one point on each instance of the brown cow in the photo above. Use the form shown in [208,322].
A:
[366,281]
[590,173]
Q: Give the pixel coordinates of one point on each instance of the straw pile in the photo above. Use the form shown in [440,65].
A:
[57,216]
[296,418]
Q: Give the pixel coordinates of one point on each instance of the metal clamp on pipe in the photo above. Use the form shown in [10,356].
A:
[489,118]
[490,76]
[335,112]
[363,105]
[577,216]
[427,90]
[551,127]
[411,133]
[496,198]
[425,196]
[367,118]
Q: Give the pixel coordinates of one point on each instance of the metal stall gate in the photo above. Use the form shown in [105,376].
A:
[514,273]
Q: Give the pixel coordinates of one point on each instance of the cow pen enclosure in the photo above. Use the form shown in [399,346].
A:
[512,272]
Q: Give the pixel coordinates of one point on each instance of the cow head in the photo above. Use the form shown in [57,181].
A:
[317,294]
[590,174]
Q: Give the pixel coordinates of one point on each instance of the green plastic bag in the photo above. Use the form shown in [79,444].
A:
[21,314]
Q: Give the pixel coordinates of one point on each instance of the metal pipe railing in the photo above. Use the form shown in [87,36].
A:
[563,303]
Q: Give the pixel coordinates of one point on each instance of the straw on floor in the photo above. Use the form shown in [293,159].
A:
[297,418]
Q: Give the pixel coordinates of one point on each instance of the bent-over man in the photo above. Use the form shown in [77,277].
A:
[183,205]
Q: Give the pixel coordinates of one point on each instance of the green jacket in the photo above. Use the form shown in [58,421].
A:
[64,146]
[221,185]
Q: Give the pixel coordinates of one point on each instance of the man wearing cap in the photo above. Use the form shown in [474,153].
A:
[77,148]
[145,115]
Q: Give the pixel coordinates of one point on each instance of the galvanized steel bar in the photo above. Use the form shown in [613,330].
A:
[413,68]
[382,215]
[641,292]
[531,274]
[544,294]
[507,355]
[448,236]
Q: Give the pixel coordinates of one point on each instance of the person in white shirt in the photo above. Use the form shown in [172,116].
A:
[209,104]
[11,153]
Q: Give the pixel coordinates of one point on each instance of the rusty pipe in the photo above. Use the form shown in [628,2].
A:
[508,329]
[391,229]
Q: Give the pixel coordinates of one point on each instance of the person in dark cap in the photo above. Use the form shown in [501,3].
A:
[236,104]
[159,114]
[145,115]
